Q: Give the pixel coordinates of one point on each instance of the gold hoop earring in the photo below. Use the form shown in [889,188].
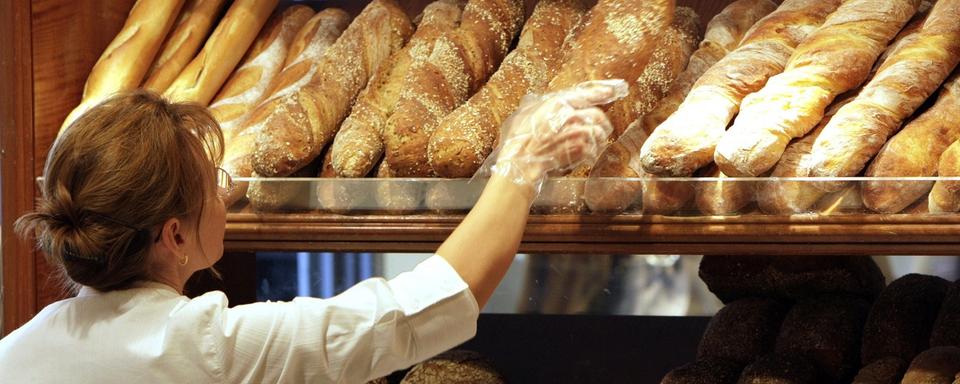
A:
[183,260]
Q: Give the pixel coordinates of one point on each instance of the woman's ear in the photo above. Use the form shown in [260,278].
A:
[171,236]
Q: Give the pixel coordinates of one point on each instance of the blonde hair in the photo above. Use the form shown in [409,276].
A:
[113,177]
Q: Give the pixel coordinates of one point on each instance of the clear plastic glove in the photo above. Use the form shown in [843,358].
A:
[555,132]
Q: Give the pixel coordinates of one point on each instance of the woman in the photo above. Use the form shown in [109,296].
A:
[130,210]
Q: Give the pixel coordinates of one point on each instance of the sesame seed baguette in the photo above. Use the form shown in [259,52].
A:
[303,121]
[190,31]
[124,63]
[838,57]
[461,61]
[902,84]
[202,78]
[723,35]
[466,136]
[685,142]
[358,145]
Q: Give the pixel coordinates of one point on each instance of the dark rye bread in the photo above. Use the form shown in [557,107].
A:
[902,317]
[790,277]
[742,330]
[454,367]
[705,371]
[946,330]
[888,370]
[826,329]
[781,368]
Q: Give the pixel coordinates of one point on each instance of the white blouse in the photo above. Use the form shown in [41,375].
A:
[152,334]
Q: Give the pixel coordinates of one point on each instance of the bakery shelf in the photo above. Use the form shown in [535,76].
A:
[353,217]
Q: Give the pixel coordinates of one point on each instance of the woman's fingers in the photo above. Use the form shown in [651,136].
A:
[594,93]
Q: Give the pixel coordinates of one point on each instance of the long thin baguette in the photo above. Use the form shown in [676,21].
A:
[723,197]
[723,35]
[358,145]
[671,55]
[905,80]
[945,195]
[686,141]
[466,136]
[616,41]
[247,86]
[834,60]
[205,74]
[777,196]
[310,42]
[127,59]
[604,191]
[461,61]
[914,152]
[190,31]
[303,122]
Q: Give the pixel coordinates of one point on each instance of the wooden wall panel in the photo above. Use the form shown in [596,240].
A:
[16,161]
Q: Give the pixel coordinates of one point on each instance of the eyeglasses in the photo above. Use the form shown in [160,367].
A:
[225,183]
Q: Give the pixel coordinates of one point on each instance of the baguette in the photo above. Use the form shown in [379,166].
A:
[604,191]
[466,136]
[905,80]
[283,195]
[303,121]
[247,86]
[435,85]
[669,58]
[240,134]
[205,74]
[189,32]
[123,64]
[615,42]
[686,141]
[945,195]
[723,35]
[838,57]
[723,198]
[776,196]
[914,152]
[358,145]
[397,196]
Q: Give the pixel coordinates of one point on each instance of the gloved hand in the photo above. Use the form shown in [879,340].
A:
[555,132]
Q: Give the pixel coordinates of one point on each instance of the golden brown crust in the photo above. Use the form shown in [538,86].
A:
[910,74]
[605,191]
[723,35]
[615,42]
[945,195]
[303,122]
[835,59]
[914,152]
[358,145]
[458,64]
[723,198]
[202,78]
[685,142]
[189,32]
[466,136]
[125,62]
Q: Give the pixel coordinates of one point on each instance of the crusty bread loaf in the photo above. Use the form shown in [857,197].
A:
[604,191]
[127,59]
[247,86]
[685,142]
[938,365]
[838,57]
[466,136]
[669,58]
[311,41]
[914,152]
[267,194]
[902,83]
[945,195]
[397,196]
[303,122]
[723,198]
[190,31]
[666,197]
[358,145]
[723,35]
[615,42]
[205,74]
[776,196]
[461,61]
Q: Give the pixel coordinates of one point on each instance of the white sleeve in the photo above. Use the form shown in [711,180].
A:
[368,331]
